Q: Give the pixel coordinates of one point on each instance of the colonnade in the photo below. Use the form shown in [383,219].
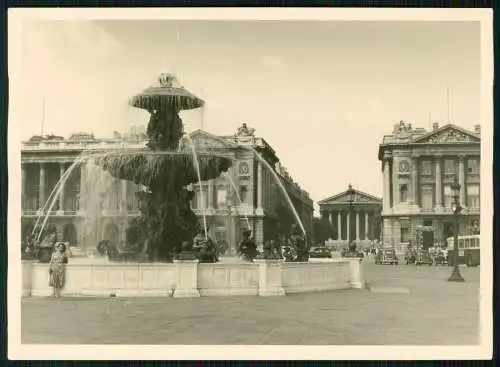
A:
[391,175]
[366,216]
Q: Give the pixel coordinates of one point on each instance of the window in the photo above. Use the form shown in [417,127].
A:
[426,194]
[448,196]
[202,199]
[450,166]
[405,233]
[221,197]
[461,243]
[426,168]
[473,166]
[473,196]
[467,243]
[428,223]
[243,194]
[403,193]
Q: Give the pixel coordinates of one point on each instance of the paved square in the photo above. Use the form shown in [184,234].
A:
[435,312]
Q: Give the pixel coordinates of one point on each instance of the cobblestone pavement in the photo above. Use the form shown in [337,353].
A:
[435,312]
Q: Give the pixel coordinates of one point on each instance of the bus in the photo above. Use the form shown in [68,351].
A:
[468,250]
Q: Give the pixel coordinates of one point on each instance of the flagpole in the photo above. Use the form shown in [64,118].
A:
[448,103]
[43,116]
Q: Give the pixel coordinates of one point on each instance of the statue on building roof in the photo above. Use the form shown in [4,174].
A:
[402,128]
[244,131]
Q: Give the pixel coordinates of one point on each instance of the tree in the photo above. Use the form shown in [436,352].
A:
[323,230]
[285,218]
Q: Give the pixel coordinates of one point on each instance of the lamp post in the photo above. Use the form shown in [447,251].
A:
[229,205]
[350,200]
[456,208]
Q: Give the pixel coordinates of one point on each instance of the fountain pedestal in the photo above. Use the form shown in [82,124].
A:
[270,283]
[186,279]
[356,271]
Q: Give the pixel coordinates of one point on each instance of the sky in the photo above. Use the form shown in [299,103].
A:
[322,94]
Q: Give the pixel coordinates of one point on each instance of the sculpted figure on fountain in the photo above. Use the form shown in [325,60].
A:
[247,247]
[298,243]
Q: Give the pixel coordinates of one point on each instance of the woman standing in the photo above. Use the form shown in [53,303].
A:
[57,269]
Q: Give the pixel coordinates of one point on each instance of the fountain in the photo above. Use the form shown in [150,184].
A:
[166,227]
[166,220]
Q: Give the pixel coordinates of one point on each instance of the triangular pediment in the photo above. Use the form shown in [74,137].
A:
[206,141]
[449,134]
[343,197]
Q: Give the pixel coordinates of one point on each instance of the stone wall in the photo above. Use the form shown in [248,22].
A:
[190,279]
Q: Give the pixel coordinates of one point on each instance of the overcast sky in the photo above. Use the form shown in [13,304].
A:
[321,93]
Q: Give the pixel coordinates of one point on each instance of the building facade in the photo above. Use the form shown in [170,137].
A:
[92,205]
[355,215]
[418,168]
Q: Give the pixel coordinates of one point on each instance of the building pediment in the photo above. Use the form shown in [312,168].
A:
[449,134]
[206,141]
[344,197]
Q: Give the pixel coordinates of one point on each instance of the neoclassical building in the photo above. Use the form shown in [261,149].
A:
[92,205]
[355,215]
[418,167]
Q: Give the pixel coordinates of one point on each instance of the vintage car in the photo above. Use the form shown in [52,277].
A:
[423,258]
[410,257]
[320,253]
[386,256]
[440,258]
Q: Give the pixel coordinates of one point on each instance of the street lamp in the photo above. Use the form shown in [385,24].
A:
[229,205]
[456,208]
[350,200]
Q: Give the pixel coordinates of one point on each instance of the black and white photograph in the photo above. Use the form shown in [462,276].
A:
[250,183]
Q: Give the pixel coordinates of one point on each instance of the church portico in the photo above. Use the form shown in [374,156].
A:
[355,215]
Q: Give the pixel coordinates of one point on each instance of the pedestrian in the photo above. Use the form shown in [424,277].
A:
[57,269]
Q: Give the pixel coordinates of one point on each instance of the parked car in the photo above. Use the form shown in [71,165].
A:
[423,258]
[386,256]
[410,257]
[440,258]
[320,252]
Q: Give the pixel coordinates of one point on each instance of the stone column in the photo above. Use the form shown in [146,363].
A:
[387,185]
[83,187]
[367,231]
[61,190]
[461,179]
[395,185]
[339,226]
[259,185]
[348,226]
[439,185]
[123,199]
[41,193]
[357,226]
[23,187]
[414,180]
[210,194]
[330,217]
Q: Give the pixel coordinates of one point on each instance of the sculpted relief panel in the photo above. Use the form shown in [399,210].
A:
[450,136]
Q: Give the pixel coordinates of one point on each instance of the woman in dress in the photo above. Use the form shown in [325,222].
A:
[57,269]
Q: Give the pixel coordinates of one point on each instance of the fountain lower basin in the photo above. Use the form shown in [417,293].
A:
[88,277]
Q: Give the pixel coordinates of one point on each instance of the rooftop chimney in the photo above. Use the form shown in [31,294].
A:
[435,125]
[477,129]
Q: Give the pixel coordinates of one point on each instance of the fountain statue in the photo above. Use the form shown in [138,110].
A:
[247,247]
[166,221]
